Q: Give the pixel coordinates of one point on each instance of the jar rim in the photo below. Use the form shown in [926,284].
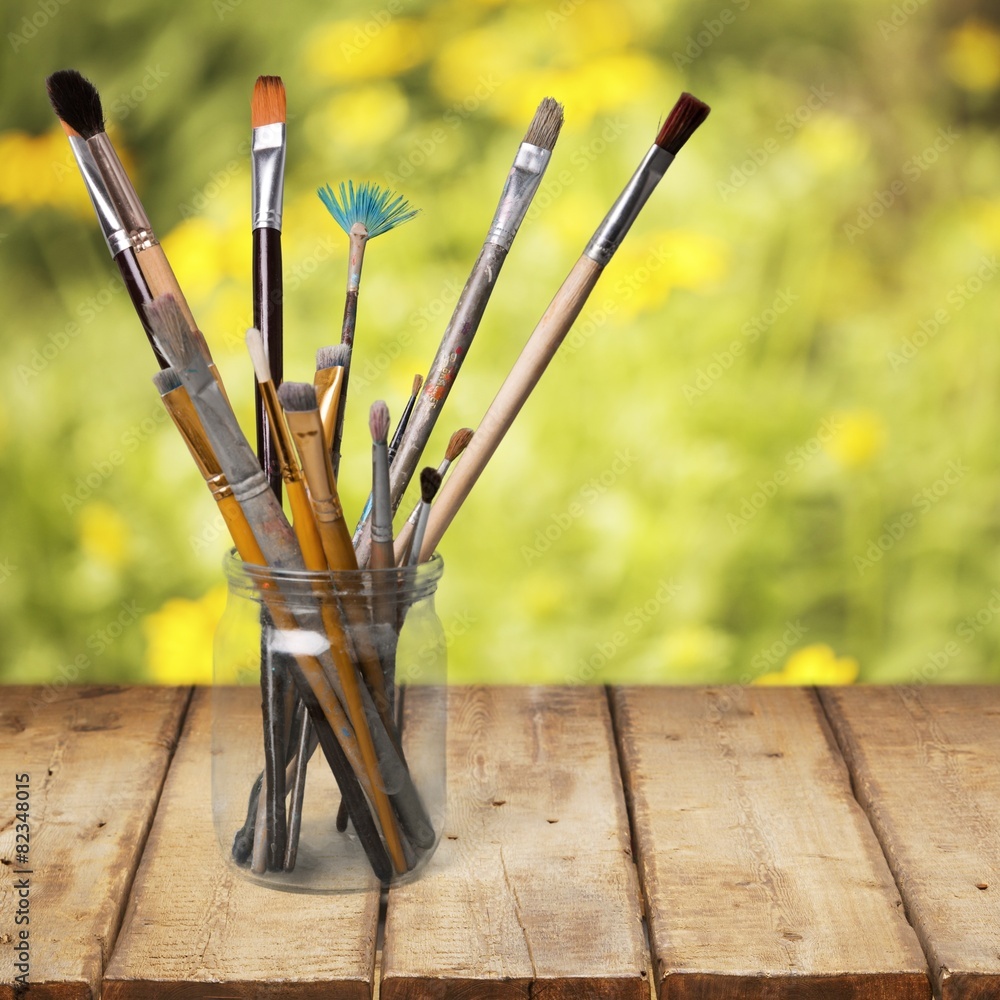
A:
[418,580]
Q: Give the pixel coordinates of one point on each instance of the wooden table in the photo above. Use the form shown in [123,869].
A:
[692,843]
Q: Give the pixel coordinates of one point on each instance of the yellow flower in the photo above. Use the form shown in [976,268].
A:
[816,664]
[833,142]
[40,170]
[859,437]
[104,535]
[363,49]
[179,638]
[972,58]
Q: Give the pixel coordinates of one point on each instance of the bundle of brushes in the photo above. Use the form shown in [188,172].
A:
[343,698]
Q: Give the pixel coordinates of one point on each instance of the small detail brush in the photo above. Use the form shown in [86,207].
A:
[522,183]
[378,424]
[430,483]
[267,173]
[456,445]
[688,113]
[363,213]
[393,447]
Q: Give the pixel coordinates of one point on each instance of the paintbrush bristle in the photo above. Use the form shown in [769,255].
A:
[418,381]
[458,443]
[378,421]
[338,356]
[170,330]
[687,114]
[546,125]
[76,101]
[166,381]
[367,205]
[268,105]
[258,355]
[430,483]
[297,396]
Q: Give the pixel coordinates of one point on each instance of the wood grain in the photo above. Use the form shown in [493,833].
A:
[762,876]
[195,928]
[96,757]
[532,891]
[926,767]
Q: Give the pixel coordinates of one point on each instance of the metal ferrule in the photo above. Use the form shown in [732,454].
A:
[120,191]
[623,213]
[219,486]
[267,175]
[381,507]
[522,183]
[111,224]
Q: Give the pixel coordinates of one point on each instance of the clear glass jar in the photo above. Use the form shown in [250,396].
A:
[361,657]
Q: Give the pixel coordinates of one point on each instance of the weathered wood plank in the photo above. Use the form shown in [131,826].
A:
[96,758]
[762,876]
[926,767]
[196,929]
[532,891]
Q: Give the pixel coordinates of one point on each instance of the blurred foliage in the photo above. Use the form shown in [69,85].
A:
[766,449]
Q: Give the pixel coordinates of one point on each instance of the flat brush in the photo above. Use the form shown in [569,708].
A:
[288,468]
[332,364]
[115,235]
[378,424]
[267,175]
[363,213]
[393,447]
[457,443]
[430,483]
[78,104]
[522,182]
[686,116]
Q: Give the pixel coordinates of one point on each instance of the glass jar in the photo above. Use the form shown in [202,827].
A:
[345,671]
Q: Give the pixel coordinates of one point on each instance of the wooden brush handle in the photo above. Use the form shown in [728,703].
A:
[538,352]
[160,277]
[304,526]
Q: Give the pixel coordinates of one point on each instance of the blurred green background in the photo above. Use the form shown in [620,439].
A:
[766,451]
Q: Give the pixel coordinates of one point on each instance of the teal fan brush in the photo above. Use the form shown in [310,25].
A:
[363,212]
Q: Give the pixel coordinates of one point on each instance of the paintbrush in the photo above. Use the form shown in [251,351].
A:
[115,235]
[686,116]
[363,213]
[302,415]
[378,424]
[522,182]
[332,364]
[397,437]
[78,104]
[430,483]
[267,177]
[303,519]
[456,445]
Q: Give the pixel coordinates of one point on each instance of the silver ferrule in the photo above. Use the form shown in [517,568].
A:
[111,224]
[381,519]
[618,221]
[121,193]
[267,175]
[522,183]
[252,486]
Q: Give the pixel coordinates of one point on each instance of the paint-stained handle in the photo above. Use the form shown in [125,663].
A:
[538,352]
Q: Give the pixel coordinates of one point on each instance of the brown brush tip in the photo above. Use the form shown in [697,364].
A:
[166,381]
[171,331]
[430,483]
[68,129]
[458,443]
[297,396]
[378,421]
[267,106]
[418,381]
[546,125]
[76,101]
[338,356]
[687,114]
